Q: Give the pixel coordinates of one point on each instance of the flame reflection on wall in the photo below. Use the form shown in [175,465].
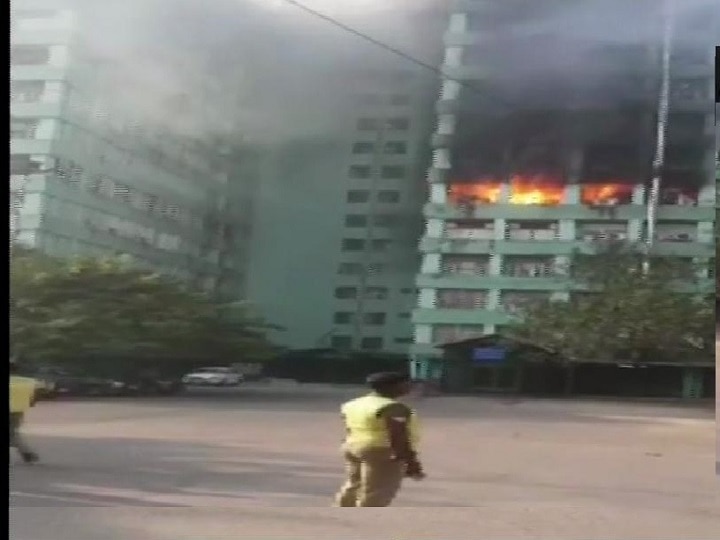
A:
[606,194]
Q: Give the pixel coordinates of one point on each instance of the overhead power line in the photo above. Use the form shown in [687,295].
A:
[397,52]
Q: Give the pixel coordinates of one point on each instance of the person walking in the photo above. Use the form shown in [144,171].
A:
[380,448]
[22,397]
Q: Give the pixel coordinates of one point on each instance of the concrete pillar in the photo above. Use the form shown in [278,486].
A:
[423,334]
[446,124]
[427,299]
[635,230]
[59,55]
[567,230]
[638,196]
[493,300]
[572,194]
[450,89]
[438,194]
[431,263]
[499,231]
[457,23]
[434,228]
[453,57]
[495,265]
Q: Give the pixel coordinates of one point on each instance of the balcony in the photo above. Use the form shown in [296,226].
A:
[565,211]
[434,281]
[460,316]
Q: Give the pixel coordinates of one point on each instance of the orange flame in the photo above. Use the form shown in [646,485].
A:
[484,191]
[608,194]
[536,190]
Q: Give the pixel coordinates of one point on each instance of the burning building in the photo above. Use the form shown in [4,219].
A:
[546,139]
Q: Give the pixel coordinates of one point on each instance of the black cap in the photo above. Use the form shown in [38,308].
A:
[386,378]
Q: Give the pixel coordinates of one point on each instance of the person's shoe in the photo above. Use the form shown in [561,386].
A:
[30,458]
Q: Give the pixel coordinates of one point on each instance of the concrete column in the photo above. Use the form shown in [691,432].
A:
[495,266]
[423,334]
[638,196]
[457,23]
[59,55]
[635,230]
[427,299]
[500,225]
[493,300]
[438,194]
[504,197]
[431,263]
[706,232]
[441,158]
[434,228]
[446,124]
[453,57]
[567,230]
[562,265]
[572,194]
[450,89]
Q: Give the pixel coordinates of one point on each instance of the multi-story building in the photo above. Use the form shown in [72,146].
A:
[339,216]
[545,139]
[91,176]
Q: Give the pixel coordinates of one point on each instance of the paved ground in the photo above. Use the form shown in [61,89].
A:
[261,463]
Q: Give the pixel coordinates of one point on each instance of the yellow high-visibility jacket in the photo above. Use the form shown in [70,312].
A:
[367,429]
[22,393]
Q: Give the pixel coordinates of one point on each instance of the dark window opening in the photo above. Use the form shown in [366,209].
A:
[358,196]
[388,196]
[346,293]
[343,317]
[359,171]
[363,148]
[374,319]
[29,55]
[353,244]
[371,343]
[356,220]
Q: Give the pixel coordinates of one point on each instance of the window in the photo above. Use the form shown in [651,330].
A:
[29,55]
[346,293]
[385,220]
[395,148]
[376,293]
[341,342]
[369,99]
[371,343]
[23,128]
[407,291]
[399,124]
[363,148]
[404,340]
[405,315]
[358,196]
[461,299]
[26,91]
[368,124]
[359,171]
[374,319]
[343,317]
[350,269]
[374,269]
[353,244]
[388,196]
[399,100]
[393,171]
[356,220]
[24,164]
[381,244]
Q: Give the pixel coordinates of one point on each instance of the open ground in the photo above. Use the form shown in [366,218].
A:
[262,462]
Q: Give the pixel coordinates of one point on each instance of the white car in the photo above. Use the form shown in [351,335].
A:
[213,376]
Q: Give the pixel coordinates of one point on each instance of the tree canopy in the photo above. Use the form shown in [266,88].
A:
[88,311]
[625,312]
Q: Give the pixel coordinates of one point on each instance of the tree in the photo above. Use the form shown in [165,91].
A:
[89,311]
[619,312]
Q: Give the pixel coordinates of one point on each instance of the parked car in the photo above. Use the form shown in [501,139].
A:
[213,376]
[151,384]
[70,384]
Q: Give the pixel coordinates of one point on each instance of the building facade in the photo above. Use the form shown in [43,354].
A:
[534,158]
[339,216]
[89,176]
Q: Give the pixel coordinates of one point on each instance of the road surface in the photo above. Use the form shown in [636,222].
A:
[262,462]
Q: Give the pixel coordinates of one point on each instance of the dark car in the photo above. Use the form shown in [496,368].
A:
[73,384]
